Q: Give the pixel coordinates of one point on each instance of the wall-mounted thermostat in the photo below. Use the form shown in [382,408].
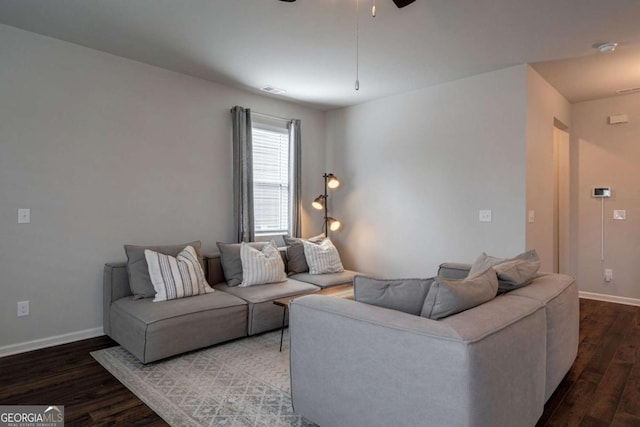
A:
[601,192]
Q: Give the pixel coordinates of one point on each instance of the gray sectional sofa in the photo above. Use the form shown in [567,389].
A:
[155,330]
[493,365]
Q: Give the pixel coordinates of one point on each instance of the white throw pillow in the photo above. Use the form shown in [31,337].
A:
[261,267]
[176,277]
[322,258]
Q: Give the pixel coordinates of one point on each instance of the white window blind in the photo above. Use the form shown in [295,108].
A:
[270,178]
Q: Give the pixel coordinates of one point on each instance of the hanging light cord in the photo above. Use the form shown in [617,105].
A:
[357,44]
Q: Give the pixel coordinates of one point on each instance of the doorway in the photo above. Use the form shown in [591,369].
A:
[561,161]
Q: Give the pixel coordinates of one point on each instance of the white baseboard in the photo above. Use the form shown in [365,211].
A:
[23,347]
[609,298]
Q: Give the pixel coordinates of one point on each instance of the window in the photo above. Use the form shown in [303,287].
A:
[271,175]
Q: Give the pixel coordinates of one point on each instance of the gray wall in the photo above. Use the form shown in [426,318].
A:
[417,167]
[107,151]
[608,156]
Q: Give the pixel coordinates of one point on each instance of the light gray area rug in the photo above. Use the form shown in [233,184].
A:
[241,383]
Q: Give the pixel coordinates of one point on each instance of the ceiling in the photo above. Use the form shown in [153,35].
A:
[308,47]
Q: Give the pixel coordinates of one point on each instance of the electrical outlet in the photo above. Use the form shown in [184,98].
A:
[620,214]
[23,308]
[532,217]
[24,216]
[608,275]
[484,216]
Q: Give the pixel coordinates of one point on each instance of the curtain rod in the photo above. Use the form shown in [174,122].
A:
[268,116]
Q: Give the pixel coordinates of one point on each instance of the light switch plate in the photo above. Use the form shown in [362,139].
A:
[532,217]
[23,308]
[484,216]
[620,214]
[24,216]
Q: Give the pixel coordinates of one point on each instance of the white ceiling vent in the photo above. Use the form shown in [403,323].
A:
[273,90]
[618,119]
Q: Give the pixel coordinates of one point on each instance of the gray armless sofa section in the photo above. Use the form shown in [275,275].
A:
[155,330]
[493,365]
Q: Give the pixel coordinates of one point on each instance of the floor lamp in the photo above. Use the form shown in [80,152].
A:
[330,182]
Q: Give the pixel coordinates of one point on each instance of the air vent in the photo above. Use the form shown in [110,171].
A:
[626,91]
[273,90]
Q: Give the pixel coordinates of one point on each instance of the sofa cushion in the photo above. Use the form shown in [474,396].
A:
[559,295]
[260,267]
[231,261]
[548,287]
[296,262]
[138,269]
[176,277]
[322,258]
[450,296]
[512,273]
[155,330]
[149,312]
[326,280]
[406,295]
[270,292]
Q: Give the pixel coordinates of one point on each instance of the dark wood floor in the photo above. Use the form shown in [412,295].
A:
[67,375]
[602,388]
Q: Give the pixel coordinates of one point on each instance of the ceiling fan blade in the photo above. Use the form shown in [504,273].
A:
[403,3]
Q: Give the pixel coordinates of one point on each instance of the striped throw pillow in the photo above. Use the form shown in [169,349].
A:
[261,267]
[322,258]
[176,277]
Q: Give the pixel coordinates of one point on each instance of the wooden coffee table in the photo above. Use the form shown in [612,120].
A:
[341,291]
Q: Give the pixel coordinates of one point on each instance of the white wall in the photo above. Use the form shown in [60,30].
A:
[417,167]
[544,104]
[608,156]
[107,151]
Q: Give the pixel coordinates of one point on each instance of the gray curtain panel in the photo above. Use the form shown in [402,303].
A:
[242,174]
[296,174]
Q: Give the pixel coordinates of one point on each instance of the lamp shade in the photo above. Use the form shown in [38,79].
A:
[318,202]
[333,181]
[333,224]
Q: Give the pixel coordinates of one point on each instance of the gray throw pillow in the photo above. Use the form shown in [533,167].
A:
[406,295]
[138,269]
[483,262]
[296,261]
[231,261]
[519,271]
[451,296]
[512,273]
[454,270]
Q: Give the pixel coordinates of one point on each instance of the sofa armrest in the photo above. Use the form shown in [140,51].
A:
[115,285]
[454,270]
[360,365]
